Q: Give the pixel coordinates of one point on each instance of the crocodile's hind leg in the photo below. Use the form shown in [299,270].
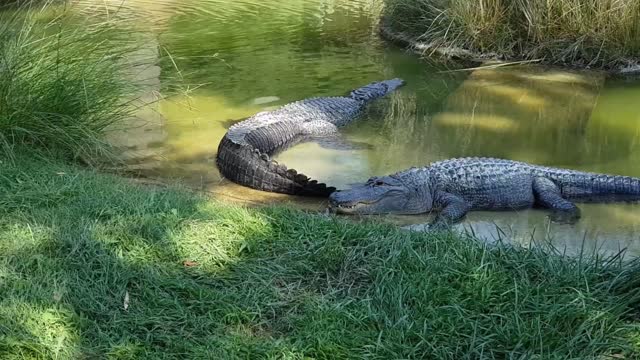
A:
[327,136]
[339,142]
[548,195]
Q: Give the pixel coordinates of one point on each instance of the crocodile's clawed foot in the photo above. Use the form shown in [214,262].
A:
[564,217]
[438,226]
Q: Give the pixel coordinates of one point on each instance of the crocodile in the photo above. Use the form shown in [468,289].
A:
[244,153]
[456,186]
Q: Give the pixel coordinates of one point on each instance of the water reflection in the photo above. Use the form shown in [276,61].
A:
[142,141]
[604,229]
[245,57]
[526,113]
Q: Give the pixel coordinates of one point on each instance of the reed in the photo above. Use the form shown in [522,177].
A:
[62,80]
[585,33]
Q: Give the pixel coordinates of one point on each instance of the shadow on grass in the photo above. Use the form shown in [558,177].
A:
[94,266]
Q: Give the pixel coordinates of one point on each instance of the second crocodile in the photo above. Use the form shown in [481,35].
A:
[244,154]
[457,186]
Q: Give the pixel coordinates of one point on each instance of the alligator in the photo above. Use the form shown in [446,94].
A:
[456,186]
[244,153]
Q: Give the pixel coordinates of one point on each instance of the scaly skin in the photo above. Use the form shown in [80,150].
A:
[457,186]
[244,154]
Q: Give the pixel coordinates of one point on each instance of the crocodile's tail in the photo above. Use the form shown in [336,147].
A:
[247,166]
[376,90]
[594,187]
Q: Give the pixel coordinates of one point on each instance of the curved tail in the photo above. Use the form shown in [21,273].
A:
[247,166]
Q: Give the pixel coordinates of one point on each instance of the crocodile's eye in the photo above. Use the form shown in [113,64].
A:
[379,183]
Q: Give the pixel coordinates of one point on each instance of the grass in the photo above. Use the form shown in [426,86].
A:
[63,80]
[585,33]
[94,266]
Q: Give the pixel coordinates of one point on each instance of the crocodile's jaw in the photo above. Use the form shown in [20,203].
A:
[350,209]
[366,199]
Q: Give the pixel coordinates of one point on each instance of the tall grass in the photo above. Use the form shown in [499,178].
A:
[62,80]
[594,33]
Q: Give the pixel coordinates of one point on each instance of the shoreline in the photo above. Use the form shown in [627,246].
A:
[460,54]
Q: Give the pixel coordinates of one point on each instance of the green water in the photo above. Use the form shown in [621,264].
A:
[241,57]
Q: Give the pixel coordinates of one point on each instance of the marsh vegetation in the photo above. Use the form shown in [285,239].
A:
[584,33]
[64,80]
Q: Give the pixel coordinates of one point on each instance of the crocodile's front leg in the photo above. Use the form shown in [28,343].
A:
[454,208]
[548,195]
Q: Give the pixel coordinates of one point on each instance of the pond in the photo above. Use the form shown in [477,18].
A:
[242,57]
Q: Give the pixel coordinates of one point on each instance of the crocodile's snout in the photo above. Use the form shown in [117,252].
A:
[396,83]
[337,203]
[334,199]
[350,202]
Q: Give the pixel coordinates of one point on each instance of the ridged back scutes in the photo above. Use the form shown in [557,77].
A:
[336,110]
[237,132]
[275,137]
[573,183]
[251,167]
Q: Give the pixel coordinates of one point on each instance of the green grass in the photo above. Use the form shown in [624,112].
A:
[94,266]
[201,279]
[63,80]
[594,33]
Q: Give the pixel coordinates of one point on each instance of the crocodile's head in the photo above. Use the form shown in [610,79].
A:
[376,89]
[381,195]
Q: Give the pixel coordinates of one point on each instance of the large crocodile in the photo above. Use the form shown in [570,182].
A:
[244,154]
[457,186]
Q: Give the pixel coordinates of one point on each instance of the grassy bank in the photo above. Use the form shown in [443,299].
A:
[593,33]
[94,265]
[63,82]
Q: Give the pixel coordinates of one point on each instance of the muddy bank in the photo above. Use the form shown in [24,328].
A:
[471,58]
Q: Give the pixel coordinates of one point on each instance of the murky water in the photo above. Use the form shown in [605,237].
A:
[241,57]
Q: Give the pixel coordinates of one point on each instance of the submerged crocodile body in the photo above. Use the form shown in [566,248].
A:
[459,185]
[244,154]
